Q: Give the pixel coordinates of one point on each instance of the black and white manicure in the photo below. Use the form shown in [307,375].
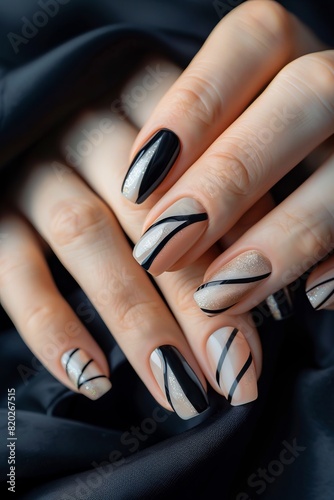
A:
[85,374]
[280,304]
[151,165]
[232,282]
[232,363]
[178,382]
[157,250]
[320,292]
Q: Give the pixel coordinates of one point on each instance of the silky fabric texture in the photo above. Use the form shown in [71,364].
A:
[125,446]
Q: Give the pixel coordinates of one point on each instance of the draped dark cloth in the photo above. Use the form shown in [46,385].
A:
[125,446]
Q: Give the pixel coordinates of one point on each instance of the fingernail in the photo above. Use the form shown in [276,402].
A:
[178,382]
[232,282]
[231,361]
[85,374]
[171,236]
[280,304]
[320,292]
[151,165]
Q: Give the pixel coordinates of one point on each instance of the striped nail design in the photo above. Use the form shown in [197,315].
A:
[171,236]
[280,304]
[320,292]
[151,165]
[233,282]
[231,360]
[177,380]
[85,374]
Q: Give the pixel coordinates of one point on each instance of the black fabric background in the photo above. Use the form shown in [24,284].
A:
[72,448]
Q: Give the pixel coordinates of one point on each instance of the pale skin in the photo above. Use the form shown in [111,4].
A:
[79,211]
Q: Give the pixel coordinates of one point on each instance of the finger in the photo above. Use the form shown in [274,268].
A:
[276,251]
[250,45]
[238,168]
[103,170]
[87,239]
[44,319]
[320,286]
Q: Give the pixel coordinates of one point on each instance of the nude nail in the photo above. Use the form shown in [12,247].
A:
[233,282]
[231,361]
[171,236]
[85,374]
[320,292]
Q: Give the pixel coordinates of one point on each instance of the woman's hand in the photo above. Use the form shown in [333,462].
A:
[73,201]
[256,100]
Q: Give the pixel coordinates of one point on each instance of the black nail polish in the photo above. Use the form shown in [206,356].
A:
[151,165]
[179,382]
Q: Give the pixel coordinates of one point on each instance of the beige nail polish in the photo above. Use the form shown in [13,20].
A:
[233,282]
[85,374]
[171,236]
[231,361]
[320,292]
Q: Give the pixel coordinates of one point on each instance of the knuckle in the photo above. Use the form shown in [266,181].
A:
[227,173]
[197,99]
[267,20]
[313,238]
[132,313]
[320,77]
[37,318]
[76,219]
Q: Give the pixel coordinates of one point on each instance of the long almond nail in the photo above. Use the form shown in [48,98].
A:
[232,363]
[233,282]
[320,292]
[171,236]
[85,374]
[151,165]
[177,380]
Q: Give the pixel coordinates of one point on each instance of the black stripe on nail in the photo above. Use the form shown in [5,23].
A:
[328,296]
[185,376]
[234,281]
[82,370]
[213,312]
[188,220]
[239,377]
[91,378]
[68,359]
[224,353]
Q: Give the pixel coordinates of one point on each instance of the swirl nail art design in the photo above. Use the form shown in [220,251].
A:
[85,374]
[158,249]
[151,165]
[320,292]
[178,382]
[232,282]
[231,360]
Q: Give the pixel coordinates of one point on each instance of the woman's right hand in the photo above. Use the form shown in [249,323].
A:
[80,212]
